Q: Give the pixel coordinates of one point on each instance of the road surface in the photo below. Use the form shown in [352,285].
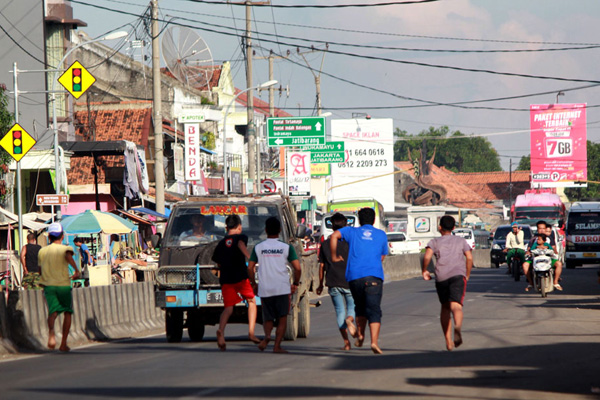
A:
[517,346]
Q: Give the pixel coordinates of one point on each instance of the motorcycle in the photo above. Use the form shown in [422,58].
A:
[543,274]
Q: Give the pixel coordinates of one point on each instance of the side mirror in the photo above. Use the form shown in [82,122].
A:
[301,231]
[155,240]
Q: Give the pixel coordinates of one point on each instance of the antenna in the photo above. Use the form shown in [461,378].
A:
[187,56]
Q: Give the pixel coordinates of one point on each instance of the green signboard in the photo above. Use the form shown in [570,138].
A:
[327,147]
[327,157]
[295,131]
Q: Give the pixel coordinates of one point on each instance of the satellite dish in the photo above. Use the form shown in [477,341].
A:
[187,56]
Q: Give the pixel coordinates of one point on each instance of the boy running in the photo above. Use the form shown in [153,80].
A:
[230,255]
[454,261]
[274,288]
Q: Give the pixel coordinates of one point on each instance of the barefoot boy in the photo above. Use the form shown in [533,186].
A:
[274,288]
[230,255]
[54,261]
[454,261]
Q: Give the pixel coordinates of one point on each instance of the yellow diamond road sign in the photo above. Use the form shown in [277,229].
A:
[17,142]
[76,79]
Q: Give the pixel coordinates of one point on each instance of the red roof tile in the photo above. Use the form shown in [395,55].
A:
[260,106]
[213,82]
[495,185]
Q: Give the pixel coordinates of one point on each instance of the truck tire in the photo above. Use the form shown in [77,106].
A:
[174,325]
[304,317]
[195,327]
[204,257]
[570,264]
[291,330]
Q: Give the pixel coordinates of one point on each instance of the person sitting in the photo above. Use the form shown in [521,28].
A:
[542,242]
[197,234]
[515,245]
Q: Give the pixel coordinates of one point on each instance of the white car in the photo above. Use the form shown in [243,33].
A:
[467,234]
[327,226]
[399,244]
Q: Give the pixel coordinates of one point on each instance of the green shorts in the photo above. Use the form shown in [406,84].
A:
[59,299]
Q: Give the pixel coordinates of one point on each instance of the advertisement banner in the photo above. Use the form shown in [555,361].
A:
[369,160]
[192,152]
[298,173]
[558,145]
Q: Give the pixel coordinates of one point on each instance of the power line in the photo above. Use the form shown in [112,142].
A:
[364,5]
[22,48]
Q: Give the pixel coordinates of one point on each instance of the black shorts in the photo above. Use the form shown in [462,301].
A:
[367,293]
[452,289]
[275,307]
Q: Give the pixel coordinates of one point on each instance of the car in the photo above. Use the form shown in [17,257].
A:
[327,227]
[399,244]
[467,234]
[497,254]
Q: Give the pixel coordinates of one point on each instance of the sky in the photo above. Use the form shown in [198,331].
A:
[375,63]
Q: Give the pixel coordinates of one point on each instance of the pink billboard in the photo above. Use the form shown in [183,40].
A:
[558,145]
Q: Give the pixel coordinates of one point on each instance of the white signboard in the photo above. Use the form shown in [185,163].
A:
[178,162]
[369,160]
[192,152]
[298,173]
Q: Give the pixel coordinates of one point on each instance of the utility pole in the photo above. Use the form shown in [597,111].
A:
[159,171]
[510,186]
[316,76]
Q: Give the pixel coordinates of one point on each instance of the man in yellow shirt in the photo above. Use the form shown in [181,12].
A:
[55,260]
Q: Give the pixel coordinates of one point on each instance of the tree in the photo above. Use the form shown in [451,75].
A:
[454,150]
[524,163]
[6,121]
[592,191]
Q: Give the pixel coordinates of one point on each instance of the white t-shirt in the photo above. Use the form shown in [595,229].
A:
[272,256]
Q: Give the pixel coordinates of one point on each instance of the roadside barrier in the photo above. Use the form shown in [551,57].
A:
[99,313]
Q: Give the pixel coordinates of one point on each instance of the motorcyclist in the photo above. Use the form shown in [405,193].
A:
[515,245]
[542,231]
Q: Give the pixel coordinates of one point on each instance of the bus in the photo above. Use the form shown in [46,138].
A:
[583,234]
[536,205]
[353,205]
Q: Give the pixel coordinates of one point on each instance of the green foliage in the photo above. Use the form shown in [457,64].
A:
[206,101]
[592,191]
[6,122]
[524,163]
[208,140]
[457,152]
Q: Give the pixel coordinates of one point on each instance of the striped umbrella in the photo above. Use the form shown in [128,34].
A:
[92,221]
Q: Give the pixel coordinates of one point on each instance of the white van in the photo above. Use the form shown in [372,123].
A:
[467,234]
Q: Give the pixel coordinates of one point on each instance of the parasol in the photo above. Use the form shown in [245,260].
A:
[92,221]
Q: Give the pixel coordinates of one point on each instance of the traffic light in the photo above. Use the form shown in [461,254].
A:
[17,142]
[76,72]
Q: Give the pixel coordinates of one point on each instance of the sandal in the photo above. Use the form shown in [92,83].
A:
[558,287]
[528,288]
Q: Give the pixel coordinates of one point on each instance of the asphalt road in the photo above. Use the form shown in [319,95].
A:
[517,346]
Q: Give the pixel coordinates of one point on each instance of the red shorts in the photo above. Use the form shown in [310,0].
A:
[233,293]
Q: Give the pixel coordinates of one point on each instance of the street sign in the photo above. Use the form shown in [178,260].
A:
[327,157]
[52,199]
[17,142]
[327,147]
[187,118]
[298,131]
[76,79]
[268,186]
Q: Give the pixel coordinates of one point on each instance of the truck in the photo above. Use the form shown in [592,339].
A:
[583,234]
[187,280]
[354,205]
[423,222]
[399,244]
[538,204]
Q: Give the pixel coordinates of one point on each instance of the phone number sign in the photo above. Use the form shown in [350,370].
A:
[558,145]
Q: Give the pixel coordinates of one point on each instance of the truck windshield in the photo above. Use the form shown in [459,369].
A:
[205,224]
[582,223]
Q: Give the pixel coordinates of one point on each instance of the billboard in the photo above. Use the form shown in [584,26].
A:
[369,160]
[298,173]
[558,145]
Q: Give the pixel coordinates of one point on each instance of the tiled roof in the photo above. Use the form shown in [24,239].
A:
[260,106]
[115,121]
[458,194]
[213,82]
[495,185]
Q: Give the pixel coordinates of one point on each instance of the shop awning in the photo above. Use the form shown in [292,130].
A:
[148,211]
[133,217]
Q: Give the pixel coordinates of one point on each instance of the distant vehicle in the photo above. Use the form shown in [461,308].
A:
[583,234]
[536,205]
[467,234]
[327,226]
[497,254]
[399,244]
[397,225]
[482,239]
[353,205]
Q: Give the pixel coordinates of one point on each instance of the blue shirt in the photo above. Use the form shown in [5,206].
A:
[367,245]
[85,260]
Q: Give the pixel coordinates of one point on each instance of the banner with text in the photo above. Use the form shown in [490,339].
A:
[558,145]
[369,160]
[192,152]
[298,173]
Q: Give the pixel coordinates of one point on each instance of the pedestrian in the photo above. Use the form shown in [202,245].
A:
[368,247]
[54,261]
[454,261]
[274,286]
[230,255]
[29,261]
[84,253]
[337,285]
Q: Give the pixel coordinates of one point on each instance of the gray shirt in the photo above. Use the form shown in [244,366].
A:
[449,252]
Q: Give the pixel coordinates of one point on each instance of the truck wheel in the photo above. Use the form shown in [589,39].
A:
[304,317]
[496,264]
[195,327]
[174,325]
[291,330]
[570,264]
